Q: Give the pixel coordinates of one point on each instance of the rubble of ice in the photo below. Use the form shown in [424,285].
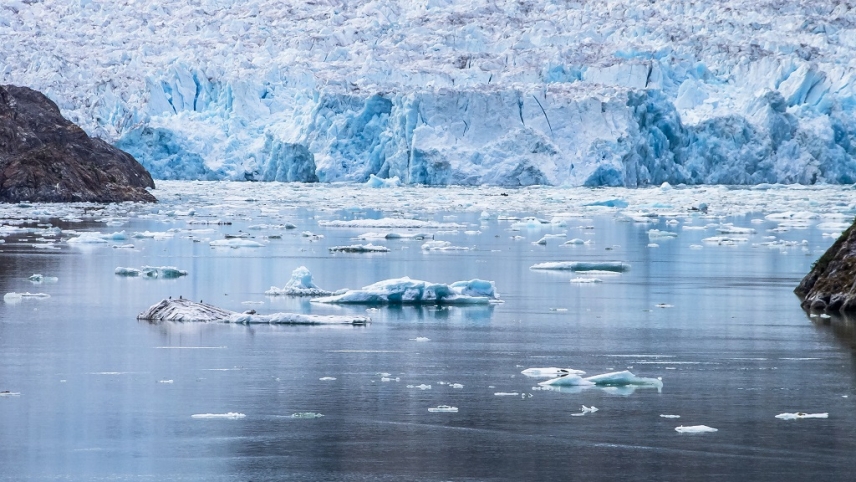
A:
[410,291]
[489,92]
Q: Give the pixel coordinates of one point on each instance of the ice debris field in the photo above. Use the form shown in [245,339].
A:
[512,93]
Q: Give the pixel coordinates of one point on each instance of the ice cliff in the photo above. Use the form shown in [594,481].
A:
[618,93]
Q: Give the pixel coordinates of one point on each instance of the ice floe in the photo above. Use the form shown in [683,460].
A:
[409,291]
[611,379]
[359,248]
[801,415]
[38,278]
[695,429]
[220,416]
[236,243]
[613,266]
[186,310]
[160,272]
[443,409]
[550,372]
[306,415]
[395,235]
[442,246]
[16,297]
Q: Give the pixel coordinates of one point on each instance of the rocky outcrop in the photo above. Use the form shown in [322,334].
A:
[46,158]
[831,283]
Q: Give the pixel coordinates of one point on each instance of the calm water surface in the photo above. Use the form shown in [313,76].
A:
[733,350]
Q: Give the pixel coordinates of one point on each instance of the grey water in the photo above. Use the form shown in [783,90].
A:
[103,396]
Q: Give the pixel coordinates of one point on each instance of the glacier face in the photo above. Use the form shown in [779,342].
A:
[512,93]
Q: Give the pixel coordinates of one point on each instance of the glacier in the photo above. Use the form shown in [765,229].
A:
[436,92]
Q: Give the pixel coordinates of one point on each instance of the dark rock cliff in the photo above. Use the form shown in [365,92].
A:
[46,158]
[831,283]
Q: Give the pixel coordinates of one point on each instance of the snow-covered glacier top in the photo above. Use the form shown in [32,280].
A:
[619,93]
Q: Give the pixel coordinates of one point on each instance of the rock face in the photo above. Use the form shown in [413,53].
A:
[831,283]
[46,158]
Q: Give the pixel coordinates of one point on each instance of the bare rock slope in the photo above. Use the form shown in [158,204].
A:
[831,283]
[46,158]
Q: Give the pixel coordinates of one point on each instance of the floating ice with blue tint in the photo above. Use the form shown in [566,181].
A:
[410,291]
[300,284]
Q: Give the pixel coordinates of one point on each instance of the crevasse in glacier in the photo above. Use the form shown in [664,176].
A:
[620,93]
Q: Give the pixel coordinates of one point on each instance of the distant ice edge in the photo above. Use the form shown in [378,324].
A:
[517,136]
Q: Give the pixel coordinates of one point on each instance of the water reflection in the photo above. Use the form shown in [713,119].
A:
[843,325]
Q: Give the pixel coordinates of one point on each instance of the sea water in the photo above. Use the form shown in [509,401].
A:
[95,394]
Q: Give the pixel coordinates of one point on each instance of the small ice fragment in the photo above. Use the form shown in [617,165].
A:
[614,266]
[306,415]
[696,246]
[420,338]
[506,394]
[14,297]
[443,409]
[664,305]
[586,281]
[164,381]
[591,409]
[325,379]
[559,309]
[421,387]
[455,385]
[236,243]
[550,372]
[225,416]
[670,416]
[653,245]
[359,248]
[7,393]
[38,278]
[801,415]
[695,429]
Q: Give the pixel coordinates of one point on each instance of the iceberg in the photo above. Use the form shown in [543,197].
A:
[186,310]
[612,266]
[377,182]
[409,291]
[612,379]
[300,284]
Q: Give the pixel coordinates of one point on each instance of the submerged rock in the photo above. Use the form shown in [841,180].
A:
[829,286]
[46,158]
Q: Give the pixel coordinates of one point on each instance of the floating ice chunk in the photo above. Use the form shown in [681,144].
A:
[833,226]
[731,229]
[393,235]
[614,266]
[118,236]
[7,393]
[300,284]
[88,238]
[377,182]
[610,203]
[152,235]
[567,380]
[165,381]
[236,243]
[443,409]
[392,223]
[664,305]
[161,272]
[575,242]
[506,394]
[327,379]
[38,278]
[550,372]
[186,310]
[296,319]
[623,378]
[409,291]
[306,415]
[584,410]
[222,416]
[801,415]
[123,246]
[455,385]
[16,297]
[359,248]
[421,338]
[529,223]
[586,280]
[653,245]
[669,416]
[543,240]
[695,429]
[259,227]
[696,246]
[421,387]
[725,240]
[657,234]
[442,246]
